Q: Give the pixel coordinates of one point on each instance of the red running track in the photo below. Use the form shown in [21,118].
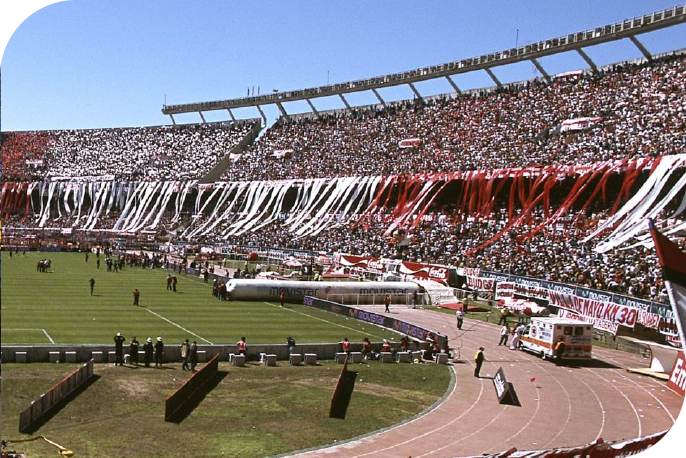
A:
[564,406]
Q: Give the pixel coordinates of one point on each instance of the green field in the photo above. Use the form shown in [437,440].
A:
[43,308]
[253,411]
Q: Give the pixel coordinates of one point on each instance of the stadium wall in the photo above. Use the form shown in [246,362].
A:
[172,353]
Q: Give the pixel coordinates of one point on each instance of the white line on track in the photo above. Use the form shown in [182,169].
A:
[32,329]
[178,326]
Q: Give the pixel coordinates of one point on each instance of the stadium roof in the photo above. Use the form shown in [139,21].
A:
[627,28]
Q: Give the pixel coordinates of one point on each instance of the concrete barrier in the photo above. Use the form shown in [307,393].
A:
[295,359]
[54,357]
[310,359]
[70,356]
[21,357]
[404,356]
[385,357]
[99,353]
[441,358]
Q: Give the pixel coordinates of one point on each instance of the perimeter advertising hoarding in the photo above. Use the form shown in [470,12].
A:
[374,318]
[677,379]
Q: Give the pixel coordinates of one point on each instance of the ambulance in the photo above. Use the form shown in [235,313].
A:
[542,334]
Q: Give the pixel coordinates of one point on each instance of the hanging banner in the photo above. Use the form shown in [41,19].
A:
[598,323]
[504,290]
[419,271]
[480,283]
[592,309]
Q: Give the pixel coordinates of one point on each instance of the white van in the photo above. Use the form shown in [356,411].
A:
[542,334]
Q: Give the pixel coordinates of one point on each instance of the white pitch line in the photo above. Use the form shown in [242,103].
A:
[322,319]
[179,326]
[32,329]
[48,336]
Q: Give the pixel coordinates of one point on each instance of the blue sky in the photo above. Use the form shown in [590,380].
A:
[92,63]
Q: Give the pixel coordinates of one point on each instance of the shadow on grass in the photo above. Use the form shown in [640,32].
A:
[197,397]
[47,416]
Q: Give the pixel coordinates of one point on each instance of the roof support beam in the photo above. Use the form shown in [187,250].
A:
[233,118]
[495,80]
[202,117]
[588,60]
[640,47]
[309,102]
[282,110]
[376,93]
[172,118]
[345,102]
[264,118]
[416,92]
[540,68]
[453,84]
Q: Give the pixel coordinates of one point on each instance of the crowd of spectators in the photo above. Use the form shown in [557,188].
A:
[181,152]
[641,110]
[556,254]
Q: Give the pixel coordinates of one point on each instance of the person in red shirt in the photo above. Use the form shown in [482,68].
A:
[282,296]
[136,296]
[346,345]
[241,346]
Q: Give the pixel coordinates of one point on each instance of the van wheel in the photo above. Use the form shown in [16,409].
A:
[542,355]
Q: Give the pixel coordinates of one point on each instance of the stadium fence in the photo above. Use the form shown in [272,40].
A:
[176,401]
[40,406]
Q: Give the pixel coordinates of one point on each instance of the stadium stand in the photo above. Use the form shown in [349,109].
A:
[182,152]
[635,110]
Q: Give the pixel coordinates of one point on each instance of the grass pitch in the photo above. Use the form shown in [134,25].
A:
[44,308]
[253,411]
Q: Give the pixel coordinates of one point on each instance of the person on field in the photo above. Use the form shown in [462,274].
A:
[460,318]
[119,349]
[174,282]
[367,349]
[387,303]
[86,256]
[92,283]
[504,313]
[559,350]
[133,351]
[148,349]
[136,296]
[185,353]
[159,352]
[193,350]
[504,334]
[291,345]
[345,344]
[478,361]
[242,346]
[386,346]
[97,263]
[282,296]
[169,282]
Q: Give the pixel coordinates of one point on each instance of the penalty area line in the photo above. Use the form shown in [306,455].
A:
[178,326]
[32,329]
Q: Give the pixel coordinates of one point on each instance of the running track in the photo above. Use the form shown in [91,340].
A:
[564,406]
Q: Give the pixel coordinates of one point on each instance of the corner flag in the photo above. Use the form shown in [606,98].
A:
[673,263]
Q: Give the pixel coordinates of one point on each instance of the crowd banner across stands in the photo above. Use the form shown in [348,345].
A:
[376,319]
[40,406]
[606,310]
[176,401]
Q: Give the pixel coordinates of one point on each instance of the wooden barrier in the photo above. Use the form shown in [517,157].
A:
[175,402]
[41,405]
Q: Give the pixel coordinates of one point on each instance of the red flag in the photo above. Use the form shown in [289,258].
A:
[673,262]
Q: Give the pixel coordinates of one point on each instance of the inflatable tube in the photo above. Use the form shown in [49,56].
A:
[294,291]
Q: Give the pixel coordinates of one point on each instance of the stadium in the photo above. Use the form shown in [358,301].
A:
[342,272]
